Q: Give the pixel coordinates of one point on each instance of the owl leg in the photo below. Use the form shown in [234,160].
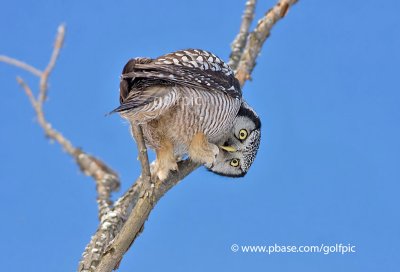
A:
[201,151]
[165,160]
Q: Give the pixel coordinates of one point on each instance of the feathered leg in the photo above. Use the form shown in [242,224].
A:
[201,151]
[165,160]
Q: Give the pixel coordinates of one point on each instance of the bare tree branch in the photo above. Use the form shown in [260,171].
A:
[28,92]
[143,205]
[257,38]
[53,59]
[21,64]
[121,223]
[106,179]
[124,223]
[239,42]
[138,216]
[142,150]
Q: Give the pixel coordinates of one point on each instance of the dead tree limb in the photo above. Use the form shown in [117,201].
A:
[123,221]
[21,64]
[257,37]
[239,42]
[106,179]
[134,224]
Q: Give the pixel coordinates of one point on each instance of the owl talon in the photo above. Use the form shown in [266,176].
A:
[162,174]
[162,170]
[174,166]
[202,151]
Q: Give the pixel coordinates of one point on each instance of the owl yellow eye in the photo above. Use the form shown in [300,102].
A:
[235,162]
[242,134]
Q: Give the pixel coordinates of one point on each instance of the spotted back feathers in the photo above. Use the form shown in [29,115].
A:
[191,68]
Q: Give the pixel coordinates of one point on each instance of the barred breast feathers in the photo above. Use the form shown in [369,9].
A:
[213,117]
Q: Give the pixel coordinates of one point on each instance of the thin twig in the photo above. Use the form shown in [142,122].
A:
[257,38]
[21,64]
[240,41]
[106,179]
[48,130]
[28,92]
[142,150]
[50,66]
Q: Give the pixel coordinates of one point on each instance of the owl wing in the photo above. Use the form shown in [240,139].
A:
[144,80]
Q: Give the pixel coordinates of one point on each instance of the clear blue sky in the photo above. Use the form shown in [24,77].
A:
[326,87]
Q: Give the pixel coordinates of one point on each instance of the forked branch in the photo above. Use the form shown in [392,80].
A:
[135,222]
[257,37]
[123,221]
[239,42]
[106,179]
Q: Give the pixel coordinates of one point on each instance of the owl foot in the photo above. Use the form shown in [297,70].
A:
[201,151]
[162,169]
[165,161]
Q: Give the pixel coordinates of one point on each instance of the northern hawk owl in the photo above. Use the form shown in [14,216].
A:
[189,103]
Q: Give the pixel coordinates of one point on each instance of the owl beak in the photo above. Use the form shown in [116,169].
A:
[228,148]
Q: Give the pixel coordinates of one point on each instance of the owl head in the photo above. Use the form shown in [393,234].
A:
[240,148]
